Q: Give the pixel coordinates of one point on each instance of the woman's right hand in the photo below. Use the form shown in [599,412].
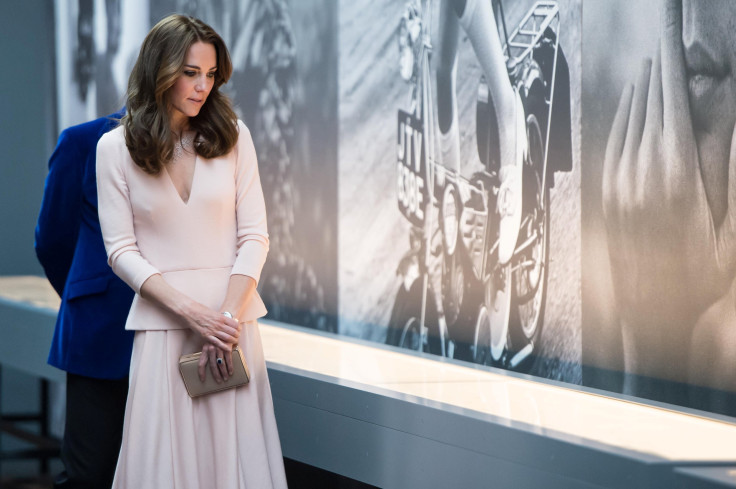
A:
[216,329]
[221,370]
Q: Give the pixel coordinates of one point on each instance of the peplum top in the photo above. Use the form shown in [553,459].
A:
[196,246]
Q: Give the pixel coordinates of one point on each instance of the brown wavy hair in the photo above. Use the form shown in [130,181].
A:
[148,134]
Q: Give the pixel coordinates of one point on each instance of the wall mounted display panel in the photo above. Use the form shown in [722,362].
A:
[377,129]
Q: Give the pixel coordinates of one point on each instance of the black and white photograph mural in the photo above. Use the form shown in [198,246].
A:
[284,87]
[541,186]
[97,45]
[659,227]
[459,180]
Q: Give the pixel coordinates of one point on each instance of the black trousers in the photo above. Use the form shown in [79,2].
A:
[95,409]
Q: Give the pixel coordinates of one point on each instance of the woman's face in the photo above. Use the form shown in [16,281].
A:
[191,89]
[710,56]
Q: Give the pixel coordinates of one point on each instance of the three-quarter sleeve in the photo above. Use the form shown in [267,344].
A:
[116,214]
[250,210]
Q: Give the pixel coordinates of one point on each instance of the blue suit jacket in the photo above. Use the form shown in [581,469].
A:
[90,337]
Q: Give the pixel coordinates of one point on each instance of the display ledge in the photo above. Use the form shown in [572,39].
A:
[393,419]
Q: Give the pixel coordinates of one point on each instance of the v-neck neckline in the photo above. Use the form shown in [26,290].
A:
[191,183]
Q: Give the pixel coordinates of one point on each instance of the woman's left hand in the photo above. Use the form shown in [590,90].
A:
[222,369]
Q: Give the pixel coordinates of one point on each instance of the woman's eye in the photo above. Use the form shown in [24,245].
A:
[189,73]
[211,74]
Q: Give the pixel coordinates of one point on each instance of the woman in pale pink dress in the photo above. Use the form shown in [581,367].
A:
[184,223]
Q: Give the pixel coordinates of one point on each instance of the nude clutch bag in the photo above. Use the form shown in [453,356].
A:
[195,387]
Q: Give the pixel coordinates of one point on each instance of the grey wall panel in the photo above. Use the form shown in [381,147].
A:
[27,126]
[391,458]
[706,477]
[26,336]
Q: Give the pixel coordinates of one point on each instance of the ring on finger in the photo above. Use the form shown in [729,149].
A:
[229,315]
[219,361]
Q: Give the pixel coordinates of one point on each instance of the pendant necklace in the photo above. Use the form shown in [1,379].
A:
[183,145]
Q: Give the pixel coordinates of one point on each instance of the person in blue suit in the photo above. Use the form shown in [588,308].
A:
[90,342]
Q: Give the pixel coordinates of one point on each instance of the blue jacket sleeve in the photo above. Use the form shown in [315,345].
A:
[58,223]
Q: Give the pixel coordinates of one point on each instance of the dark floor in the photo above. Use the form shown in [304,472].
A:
[303,476]
[298,475]
[26,483]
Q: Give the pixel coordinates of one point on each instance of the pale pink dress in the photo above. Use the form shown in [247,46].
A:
[226,440]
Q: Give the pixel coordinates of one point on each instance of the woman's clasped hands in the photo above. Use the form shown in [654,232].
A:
[220,334]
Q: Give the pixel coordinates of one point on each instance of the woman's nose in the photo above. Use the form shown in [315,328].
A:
[201,84]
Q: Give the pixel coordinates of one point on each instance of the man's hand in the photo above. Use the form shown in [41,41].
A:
[669,261]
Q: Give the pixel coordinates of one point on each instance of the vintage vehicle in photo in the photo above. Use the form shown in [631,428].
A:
[457,298]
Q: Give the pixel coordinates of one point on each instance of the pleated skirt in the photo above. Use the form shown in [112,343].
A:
[226,440]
